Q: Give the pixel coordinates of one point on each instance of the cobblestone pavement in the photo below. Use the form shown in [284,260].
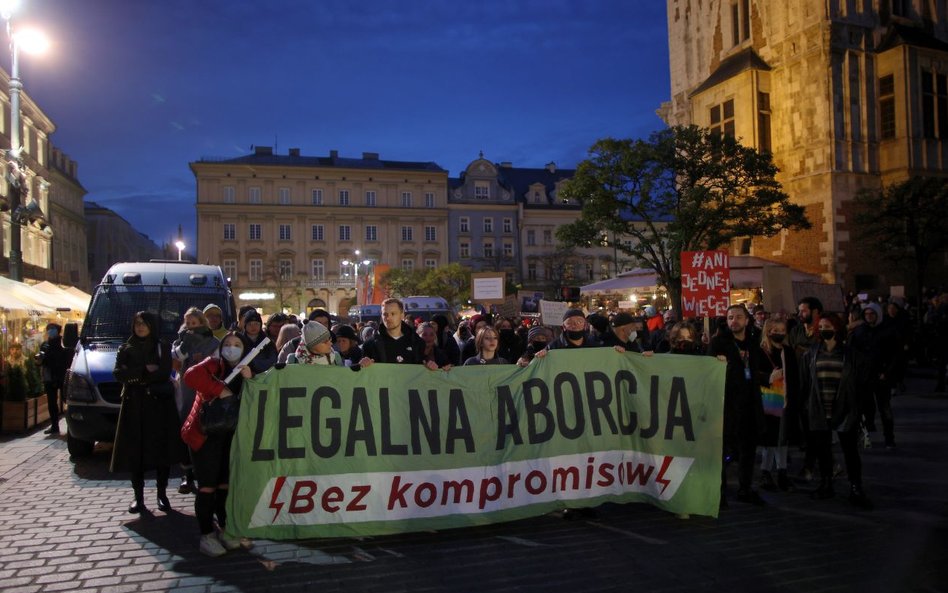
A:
[64,527]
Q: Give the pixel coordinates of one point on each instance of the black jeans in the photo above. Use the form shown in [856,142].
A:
[822,443]
[52,401]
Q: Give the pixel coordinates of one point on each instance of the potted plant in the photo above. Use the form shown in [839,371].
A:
[24,403]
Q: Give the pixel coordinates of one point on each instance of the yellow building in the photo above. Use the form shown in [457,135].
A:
[283,224]
[846,95]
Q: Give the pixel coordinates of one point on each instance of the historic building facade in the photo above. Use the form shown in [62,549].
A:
[284,224]
[111,239]
[68,220]
[846,96]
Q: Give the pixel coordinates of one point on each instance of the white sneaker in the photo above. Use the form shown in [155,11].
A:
[229,542]
[211,546]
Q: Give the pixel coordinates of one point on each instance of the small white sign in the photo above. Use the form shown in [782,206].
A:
[487,289]
[551,312]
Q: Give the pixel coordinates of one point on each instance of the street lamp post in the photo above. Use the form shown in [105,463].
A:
[16,172]
[180,245]
[355,265]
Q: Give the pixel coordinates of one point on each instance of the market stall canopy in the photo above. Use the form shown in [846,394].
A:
[69,299]
[746,272]
[15,308]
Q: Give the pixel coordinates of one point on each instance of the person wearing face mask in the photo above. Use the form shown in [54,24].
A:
[878,344]
[195,342]
[574,334]
[830,375]
[780,395]
[211,452]
[429,335]
[682,338]
[538,337]
[623,332]
[52,359]
[445,339]
[510,348]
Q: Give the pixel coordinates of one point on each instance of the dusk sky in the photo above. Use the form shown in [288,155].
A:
[140,88]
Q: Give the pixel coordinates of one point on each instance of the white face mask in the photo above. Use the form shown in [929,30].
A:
[633,335]
[232,353]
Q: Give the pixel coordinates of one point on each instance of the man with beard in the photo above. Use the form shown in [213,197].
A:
[743,409]
[396,341]
[804,334]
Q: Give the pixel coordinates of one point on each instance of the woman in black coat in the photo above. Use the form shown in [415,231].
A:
[148,428]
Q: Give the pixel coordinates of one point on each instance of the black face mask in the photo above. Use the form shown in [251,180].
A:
[537,346]
[575,334]
[777,338]
[686,344]
[827,334]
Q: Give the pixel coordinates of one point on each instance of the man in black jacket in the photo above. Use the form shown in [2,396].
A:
[396,342]
[52,358]
[878,343]
[743,409]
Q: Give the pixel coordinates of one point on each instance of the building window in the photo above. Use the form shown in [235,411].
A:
[488,249]
[508,249]
[255,232]
[284,196]
[317,197]
[345,232]
[429,200]
[589,271]
[887,107]
[286,232]
[317,232]
[370,199]
[508,225]
[406,199]
[256,270]
[604,270]
[531,270]
[547,237]
[934,105]
[431,233]
[431,264]
[536,197]
[464,224]
[343,197]
[229,266]
[488,225]
[408,264]
[407,233]
[318,267]
[254,195]
[230,231]
[229,194]
[286,269]
[482,190]
[722,118]
[531,237]
[740,21]
[465,249]
[371,232]
[763,122]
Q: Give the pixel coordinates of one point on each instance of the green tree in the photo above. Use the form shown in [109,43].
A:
[683,189]
[452,282]
[402,283]
[905,223]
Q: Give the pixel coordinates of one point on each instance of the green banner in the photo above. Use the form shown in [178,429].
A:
[325,451]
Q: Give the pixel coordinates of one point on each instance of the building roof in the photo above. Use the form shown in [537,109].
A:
[746,59]
[899,34]
[519,179]
[263,155]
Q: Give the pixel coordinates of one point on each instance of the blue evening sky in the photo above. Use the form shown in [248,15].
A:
[140,88]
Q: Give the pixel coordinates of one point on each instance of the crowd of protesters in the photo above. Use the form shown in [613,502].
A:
[795,383]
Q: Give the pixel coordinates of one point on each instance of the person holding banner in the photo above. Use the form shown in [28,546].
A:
[211,452]
[315,347]
[396,341]
[575,334]
[780,396]
[743,411]
[252,335]
[830,377]
[486,342]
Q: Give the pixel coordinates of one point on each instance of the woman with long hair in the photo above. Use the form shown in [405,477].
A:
[147,434]
[486,344]
[780,396]
[211,452]
[830,375]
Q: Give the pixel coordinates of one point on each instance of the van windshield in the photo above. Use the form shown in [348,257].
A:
[110,316]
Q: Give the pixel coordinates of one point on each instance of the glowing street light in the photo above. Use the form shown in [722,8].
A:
[355,265]
[180,245]
[30,41]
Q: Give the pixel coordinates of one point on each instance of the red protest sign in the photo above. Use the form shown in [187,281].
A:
[705,283]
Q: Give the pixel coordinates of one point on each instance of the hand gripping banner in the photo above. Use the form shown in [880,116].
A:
[328,452]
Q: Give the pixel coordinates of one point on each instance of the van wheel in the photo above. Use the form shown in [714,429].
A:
[78,448]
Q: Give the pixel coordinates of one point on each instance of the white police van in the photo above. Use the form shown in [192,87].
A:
[425,307]
[166,288]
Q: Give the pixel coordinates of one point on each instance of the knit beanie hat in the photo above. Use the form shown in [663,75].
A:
[537,331]
[315,333]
